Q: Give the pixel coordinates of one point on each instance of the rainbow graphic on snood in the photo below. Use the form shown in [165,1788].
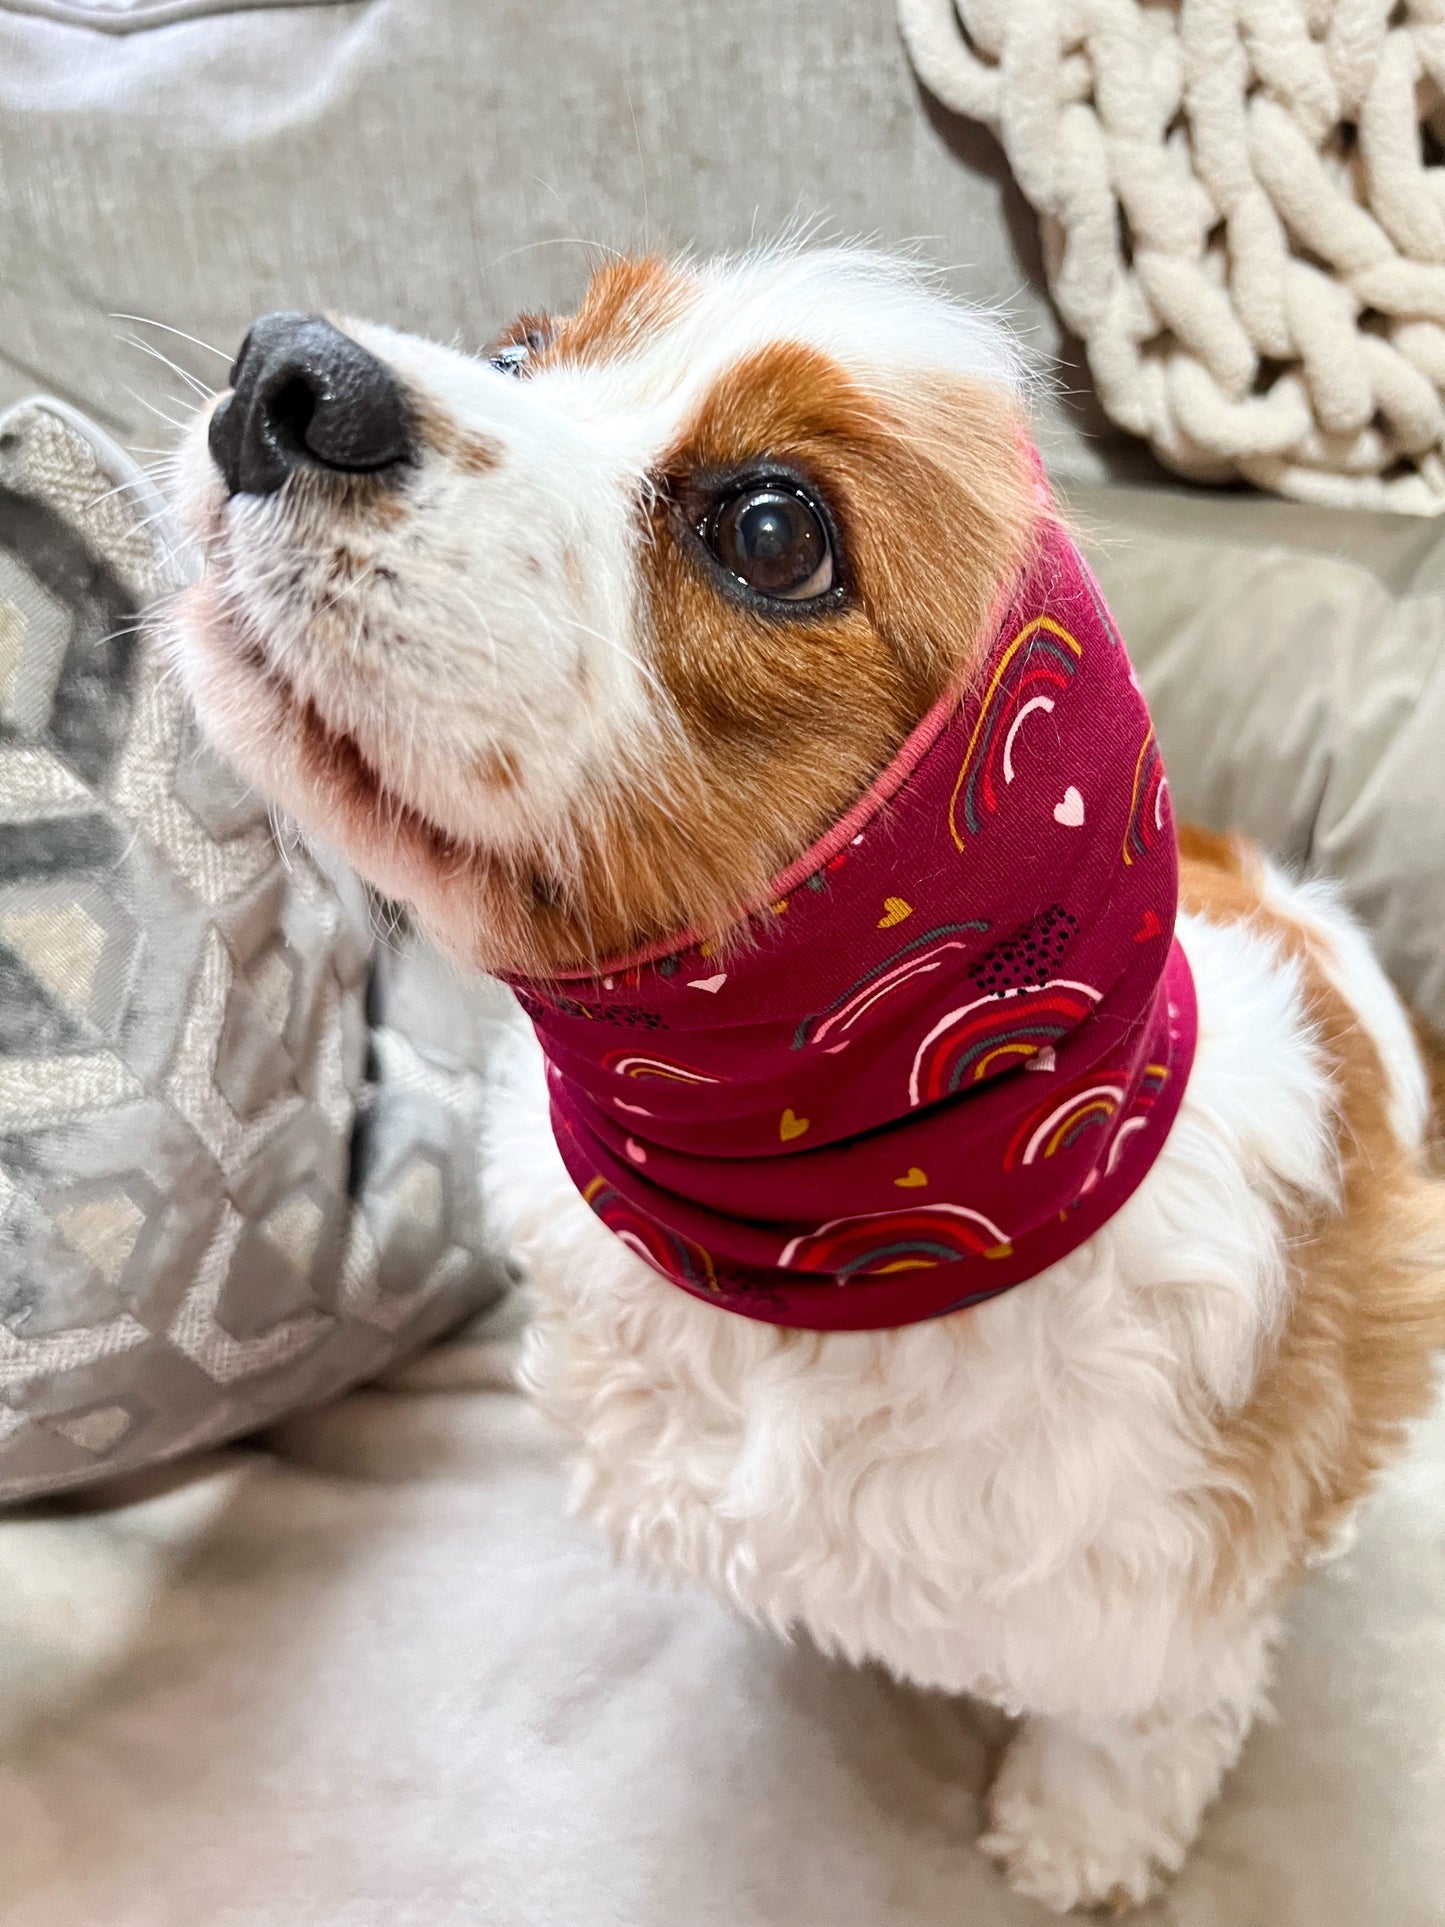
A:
[995,1034]
[1031,677]
[640,1064]
[887,1242]
[950,1041]
[666,1251]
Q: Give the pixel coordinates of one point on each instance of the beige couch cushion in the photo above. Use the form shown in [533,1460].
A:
[1295,661]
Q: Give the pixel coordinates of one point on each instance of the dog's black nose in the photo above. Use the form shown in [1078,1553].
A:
[304,395]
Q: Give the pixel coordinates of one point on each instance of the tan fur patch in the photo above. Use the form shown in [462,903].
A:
[785,720]
[497,770]
[477,454]
[1432,1049]
[527,328]
[1354,1363]
[464,448]
[345,567]
[626,301]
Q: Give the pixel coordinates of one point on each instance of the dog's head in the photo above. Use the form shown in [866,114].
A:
[573,646]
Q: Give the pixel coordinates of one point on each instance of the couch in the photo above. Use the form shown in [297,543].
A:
[361,1670]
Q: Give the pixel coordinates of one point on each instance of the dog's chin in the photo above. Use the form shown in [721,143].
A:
[283,743]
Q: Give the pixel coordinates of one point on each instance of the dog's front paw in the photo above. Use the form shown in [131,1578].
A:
[1076,1821]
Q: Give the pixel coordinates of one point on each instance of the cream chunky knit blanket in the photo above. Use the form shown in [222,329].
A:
[1243,208]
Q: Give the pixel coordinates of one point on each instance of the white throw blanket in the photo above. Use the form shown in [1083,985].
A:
[1243,219]
[374,1676]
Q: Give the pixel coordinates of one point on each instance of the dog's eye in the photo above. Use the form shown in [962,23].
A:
[771,537]
[532,335]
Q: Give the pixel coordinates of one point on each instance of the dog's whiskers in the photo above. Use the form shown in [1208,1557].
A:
[191,381]
[148,321]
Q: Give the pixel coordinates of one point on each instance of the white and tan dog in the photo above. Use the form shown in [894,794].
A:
[574,647]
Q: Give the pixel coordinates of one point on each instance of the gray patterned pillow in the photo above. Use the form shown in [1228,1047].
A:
[223,1192]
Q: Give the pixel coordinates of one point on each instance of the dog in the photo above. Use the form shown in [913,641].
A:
[713,665]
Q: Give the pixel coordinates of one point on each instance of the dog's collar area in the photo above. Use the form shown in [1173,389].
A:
[959,1037]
